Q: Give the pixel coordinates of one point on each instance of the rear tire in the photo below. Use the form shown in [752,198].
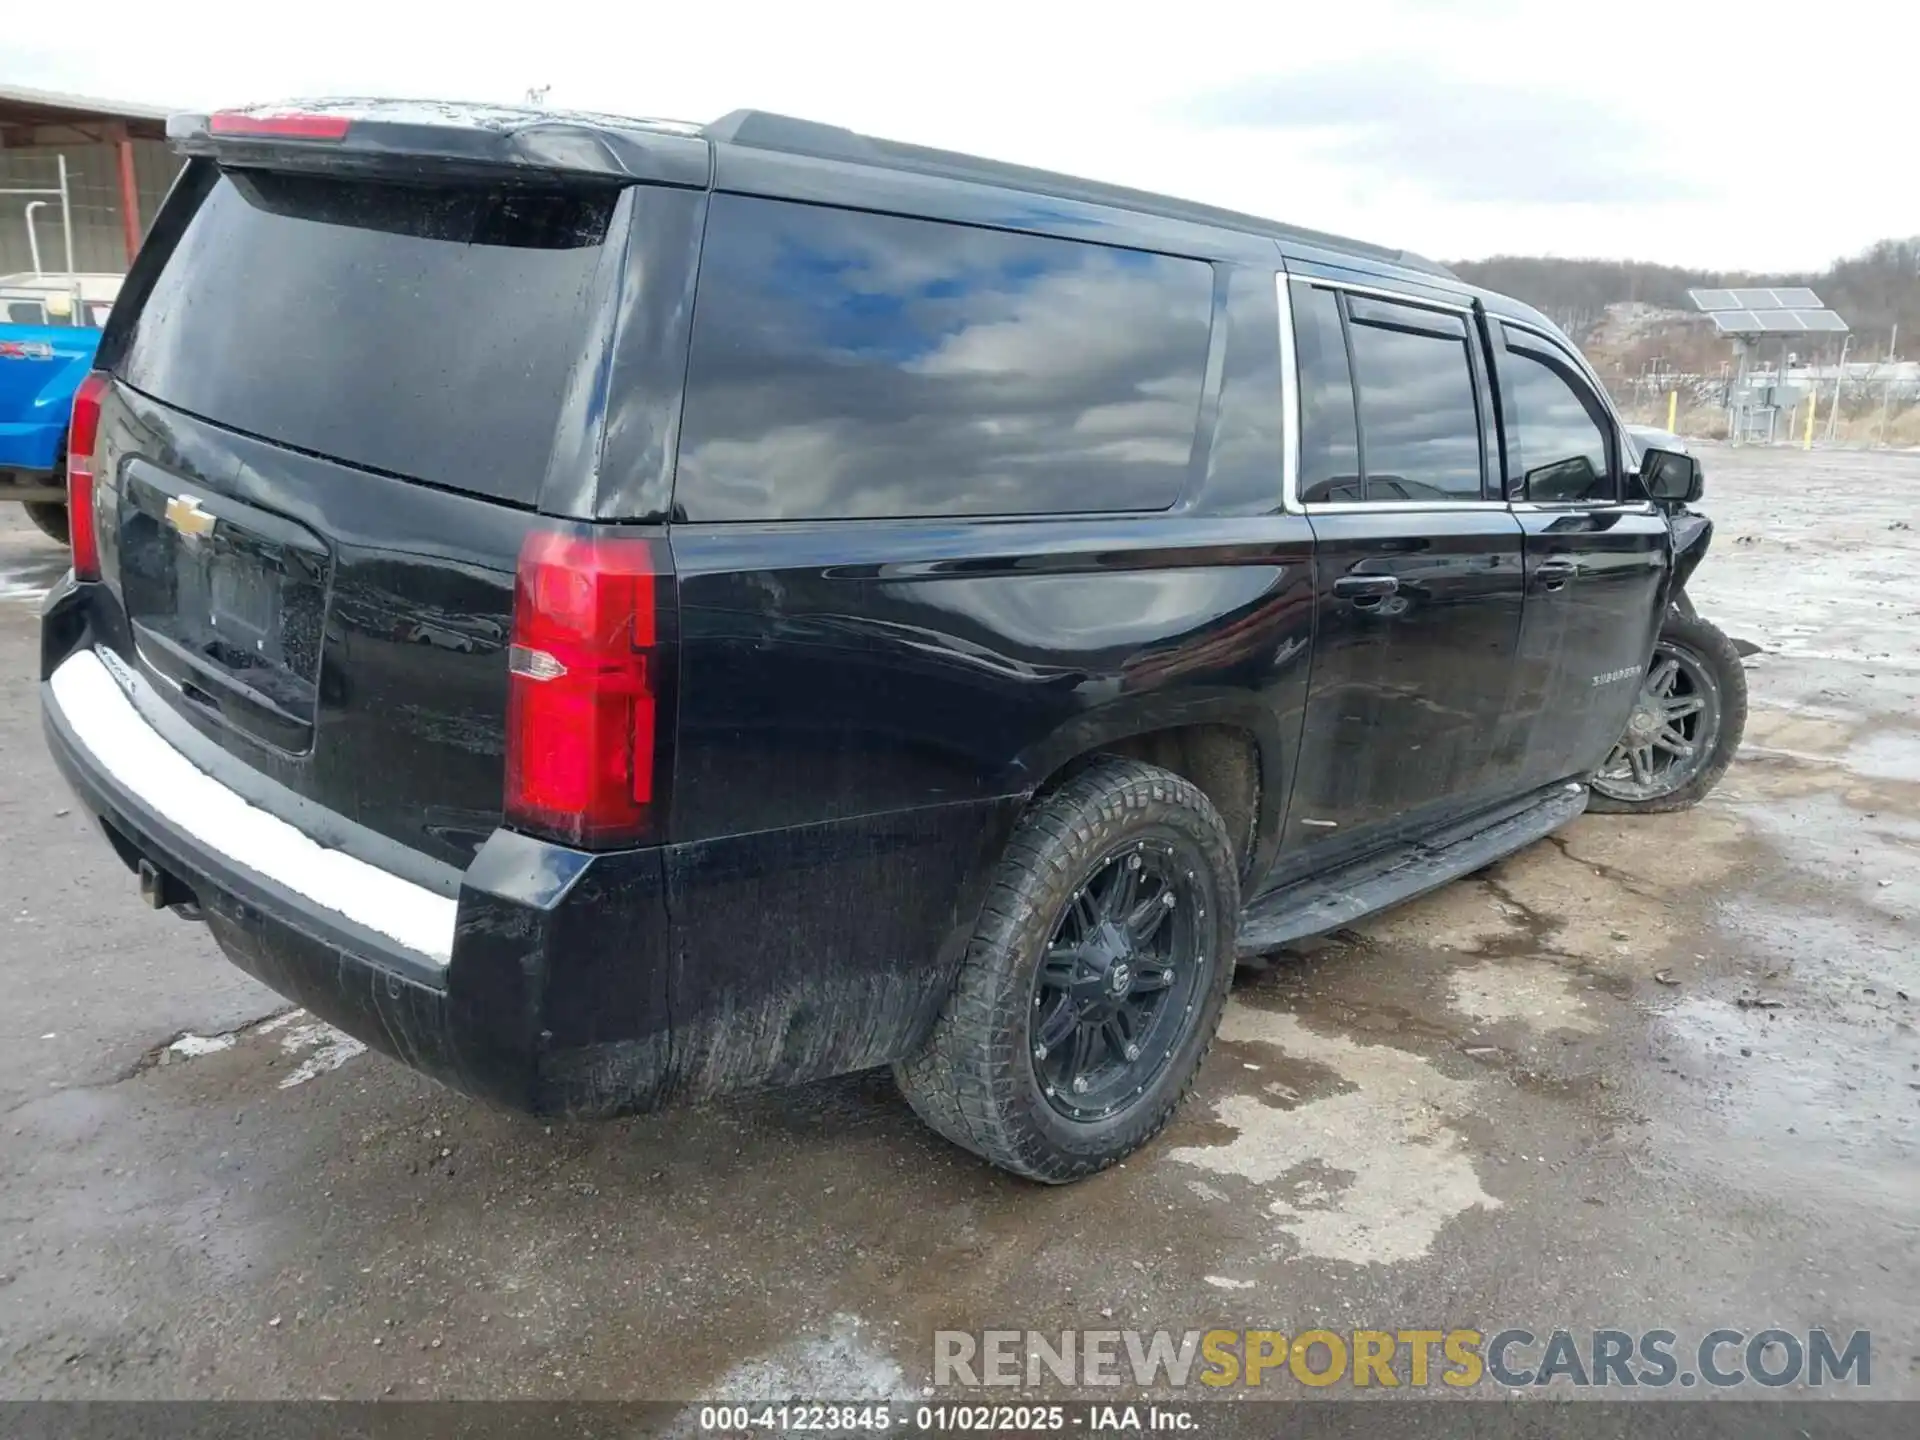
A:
[1709,663]
[1118,838]
[49,518]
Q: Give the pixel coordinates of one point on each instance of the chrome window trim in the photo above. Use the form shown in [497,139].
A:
[1582,507]
[1289,401]
[1291,414]
[1401,507]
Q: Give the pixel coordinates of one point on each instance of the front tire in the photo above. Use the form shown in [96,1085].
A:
[1685,728]
[49,518]
[1094,981]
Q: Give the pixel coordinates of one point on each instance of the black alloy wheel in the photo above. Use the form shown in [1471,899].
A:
[1117,982]
[1685,727]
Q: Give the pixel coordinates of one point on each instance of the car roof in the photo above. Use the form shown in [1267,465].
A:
[765,130]
[762,152]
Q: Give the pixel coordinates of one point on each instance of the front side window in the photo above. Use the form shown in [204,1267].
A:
[1419,423]
[1556,429]
[849,365]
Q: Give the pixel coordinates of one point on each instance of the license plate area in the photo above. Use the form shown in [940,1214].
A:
[244,600]
[227,602]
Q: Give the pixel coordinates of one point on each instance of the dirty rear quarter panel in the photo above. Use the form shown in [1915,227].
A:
[866,706]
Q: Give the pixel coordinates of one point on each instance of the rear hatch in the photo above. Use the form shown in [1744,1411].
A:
[339,389]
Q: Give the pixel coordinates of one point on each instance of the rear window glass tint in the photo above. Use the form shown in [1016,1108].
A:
[424,331]
[1329,440]
[853,365]
[1419,424]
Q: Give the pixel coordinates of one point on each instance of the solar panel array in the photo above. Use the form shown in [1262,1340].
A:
[1777,322]
[1764,310]
[1789,297]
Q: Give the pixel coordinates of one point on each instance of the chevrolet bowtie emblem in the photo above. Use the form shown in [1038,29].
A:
[186,516]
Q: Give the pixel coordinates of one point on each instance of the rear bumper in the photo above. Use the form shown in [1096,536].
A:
[540,986]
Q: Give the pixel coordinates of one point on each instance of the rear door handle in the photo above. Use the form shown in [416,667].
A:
[1365,590]
[1554,574]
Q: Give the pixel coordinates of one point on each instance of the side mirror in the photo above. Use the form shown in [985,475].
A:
[1670,476]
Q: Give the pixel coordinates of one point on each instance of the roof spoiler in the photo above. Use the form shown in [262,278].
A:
[421,138]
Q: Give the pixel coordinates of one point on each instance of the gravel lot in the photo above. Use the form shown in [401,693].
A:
[1487,1108]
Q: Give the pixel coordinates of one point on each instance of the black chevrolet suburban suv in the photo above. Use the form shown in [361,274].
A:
[611,612]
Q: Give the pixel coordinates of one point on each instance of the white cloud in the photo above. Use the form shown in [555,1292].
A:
[1761,134]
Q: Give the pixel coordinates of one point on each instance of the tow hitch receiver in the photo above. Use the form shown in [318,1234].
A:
[160,890]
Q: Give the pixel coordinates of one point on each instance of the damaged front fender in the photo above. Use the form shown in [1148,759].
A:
[1692,534]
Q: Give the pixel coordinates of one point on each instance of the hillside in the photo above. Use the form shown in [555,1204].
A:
[1874,291]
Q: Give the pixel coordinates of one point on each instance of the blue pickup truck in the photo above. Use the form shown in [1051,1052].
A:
[49,330]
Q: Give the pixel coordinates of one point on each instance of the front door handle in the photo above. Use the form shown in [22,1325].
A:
[1554,574]
[1365,591]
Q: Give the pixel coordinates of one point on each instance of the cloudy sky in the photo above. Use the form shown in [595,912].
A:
[1672,130]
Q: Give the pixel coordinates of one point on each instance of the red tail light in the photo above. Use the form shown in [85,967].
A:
[585,686]
[278,127]
[83,431]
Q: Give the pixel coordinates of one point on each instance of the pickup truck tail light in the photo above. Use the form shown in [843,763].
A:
[589,679]
[83,433]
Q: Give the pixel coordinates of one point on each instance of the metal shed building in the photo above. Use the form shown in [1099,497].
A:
[118,170]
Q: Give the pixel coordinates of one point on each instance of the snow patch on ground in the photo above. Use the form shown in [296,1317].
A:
[331,1049]
[317,1045]
[1369,1175]
[192,1047]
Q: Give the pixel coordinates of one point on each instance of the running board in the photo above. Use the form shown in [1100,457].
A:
[1315,906]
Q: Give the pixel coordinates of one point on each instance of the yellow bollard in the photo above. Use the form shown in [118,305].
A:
[1673,410]
[1806,442]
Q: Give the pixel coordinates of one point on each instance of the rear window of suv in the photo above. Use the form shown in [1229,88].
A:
[851,365]
[424,331]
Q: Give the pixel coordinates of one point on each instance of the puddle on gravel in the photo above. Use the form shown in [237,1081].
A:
[1808,1087]
[1892,754]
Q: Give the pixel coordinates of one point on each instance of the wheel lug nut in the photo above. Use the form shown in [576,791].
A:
[1079,1084]
[1133,861]
[1133,1052]
[1039,1052]
[1167,900]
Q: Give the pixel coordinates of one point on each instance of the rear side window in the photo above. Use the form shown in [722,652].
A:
[1419,423]
[1329,437]
[848,365]
[427,331]
[1556,429]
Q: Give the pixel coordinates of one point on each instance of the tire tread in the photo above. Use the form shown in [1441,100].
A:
[968,1081]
